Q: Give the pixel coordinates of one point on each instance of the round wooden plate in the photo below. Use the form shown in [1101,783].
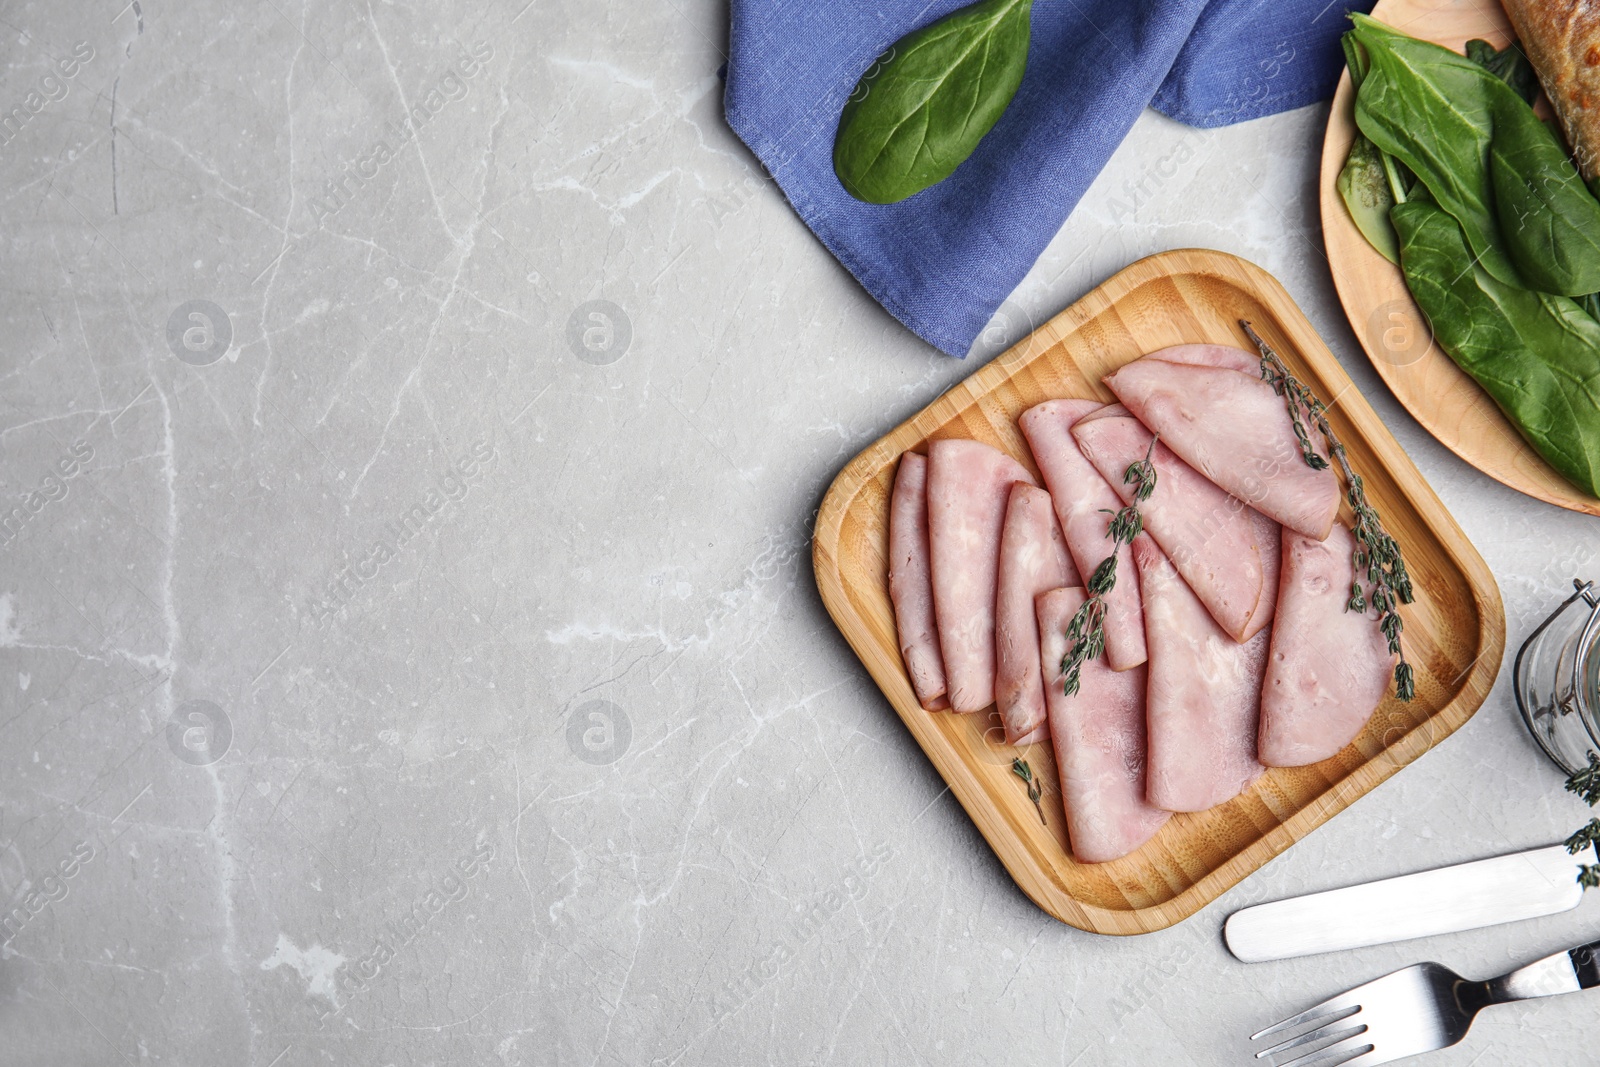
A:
[1385,318]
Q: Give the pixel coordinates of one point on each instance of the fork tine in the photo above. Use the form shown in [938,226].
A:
[1370,1057]
[1324,1012]
[1338,1054]
[1366,1056]
[1333,1030]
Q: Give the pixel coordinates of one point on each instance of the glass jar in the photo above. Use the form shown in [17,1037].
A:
[1557,680]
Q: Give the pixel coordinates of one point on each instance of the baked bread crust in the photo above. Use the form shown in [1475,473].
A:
[1562,40]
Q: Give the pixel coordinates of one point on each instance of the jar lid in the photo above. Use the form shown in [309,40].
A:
[1556,680]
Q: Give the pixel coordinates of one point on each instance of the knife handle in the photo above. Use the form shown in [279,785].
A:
[1586,964]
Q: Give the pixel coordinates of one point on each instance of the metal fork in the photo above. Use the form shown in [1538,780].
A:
[1419,1009]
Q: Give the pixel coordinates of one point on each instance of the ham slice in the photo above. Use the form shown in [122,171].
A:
[911,582]
[1081,499]
[1204,695]
[1105,411]
[1033,559]
[1099,737]
[1329,667]
[1223,357]
[1269,544]
[1232,428]
[969,484]
[1207,534]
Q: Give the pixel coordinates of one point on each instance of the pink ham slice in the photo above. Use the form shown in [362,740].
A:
[1208,535]
[1269,544]
[911,582]
[1033,559]
[1204,695]
[1105,411]
[1081,499]
[1099,737]
[1232,428]
[1329,667]
[968,486]
[1223,357]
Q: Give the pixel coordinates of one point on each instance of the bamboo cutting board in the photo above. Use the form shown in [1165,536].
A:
[1388,322]
[1454,633]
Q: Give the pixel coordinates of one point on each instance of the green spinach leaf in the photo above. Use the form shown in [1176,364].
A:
[920,110]
[1363,182]
[1508,64]
[1591,304]
[1440,114]
[1364,187]
[1371,181]
[1536,354]
[1550,223]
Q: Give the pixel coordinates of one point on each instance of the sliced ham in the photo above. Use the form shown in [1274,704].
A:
[1033,559]
[1204,693]
[1099,737]
[1329,667]
[1232,428]
[1208,535]
[911,582]
[1081,500]
[1105,411]
[969,484]
[1225,357]
[1269,541]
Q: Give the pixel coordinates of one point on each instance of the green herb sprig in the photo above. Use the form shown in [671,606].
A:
[1376,552]
[1020,768]
[1086,633]
[1586,784]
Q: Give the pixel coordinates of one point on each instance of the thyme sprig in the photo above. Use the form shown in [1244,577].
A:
[1376,553]
[1586,784]
[1086,633]
[1020,768]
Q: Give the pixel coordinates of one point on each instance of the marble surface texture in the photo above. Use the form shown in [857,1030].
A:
[409,652]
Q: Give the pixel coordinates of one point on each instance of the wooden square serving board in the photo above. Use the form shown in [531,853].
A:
[1454,632]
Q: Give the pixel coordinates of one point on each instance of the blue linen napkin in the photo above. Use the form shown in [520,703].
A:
[943,260]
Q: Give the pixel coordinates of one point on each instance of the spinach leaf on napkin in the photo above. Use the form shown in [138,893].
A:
[920,110]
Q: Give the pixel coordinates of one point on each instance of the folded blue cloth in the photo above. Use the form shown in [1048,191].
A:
[943,260]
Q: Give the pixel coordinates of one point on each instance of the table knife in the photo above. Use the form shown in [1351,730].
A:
[1467,896]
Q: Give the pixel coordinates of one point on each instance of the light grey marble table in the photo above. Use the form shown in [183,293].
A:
[409,652]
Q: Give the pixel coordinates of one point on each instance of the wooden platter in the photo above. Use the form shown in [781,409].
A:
[1454,633]
[1388,322]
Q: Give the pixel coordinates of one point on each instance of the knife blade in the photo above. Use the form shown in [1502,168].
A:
[1467,896]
